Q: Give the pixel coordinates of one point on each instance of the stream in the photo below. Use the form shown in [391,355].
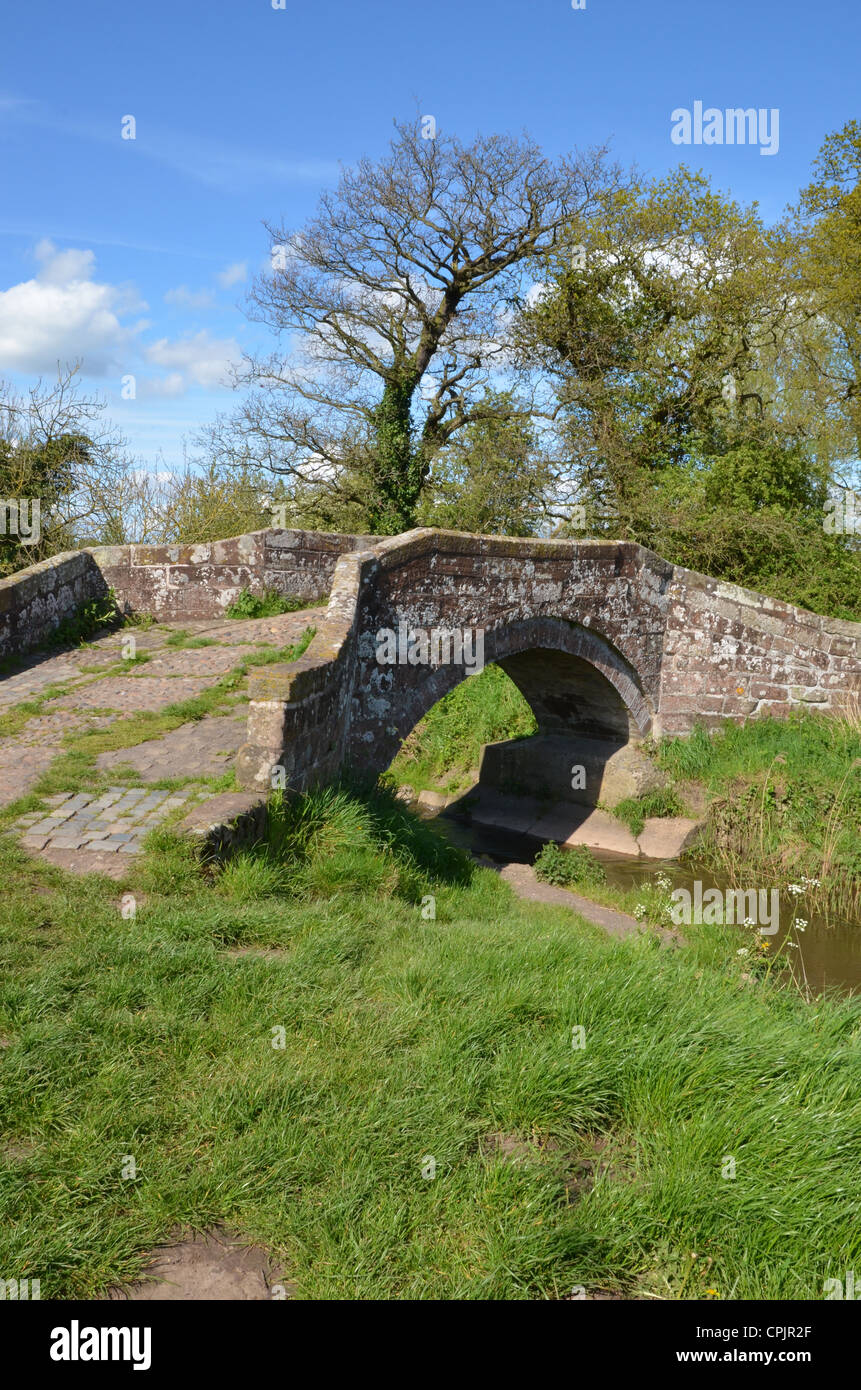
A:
[829,950]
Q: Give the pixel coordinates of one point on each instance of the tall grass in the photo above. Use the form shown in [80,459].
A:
[785,800]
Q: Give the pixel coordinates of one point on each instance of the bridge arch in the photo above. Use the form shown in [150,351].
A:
[573,678]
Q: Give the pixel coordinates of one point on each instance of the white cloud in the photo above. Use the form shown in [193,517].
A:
[173,385]
[64,315]
[232,274]
[190,299]
[198,358]
[63,267]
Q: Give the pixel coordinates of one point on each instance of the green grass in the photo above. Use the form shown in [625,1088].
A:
[785,798]
[15,718]
[267,605]
[182,640]
[406,1034]
[634,811]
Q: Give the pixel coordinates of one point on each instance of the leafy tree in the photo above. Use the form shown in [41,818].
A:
[54,450]
[491,479]
[676,342]
[829,271]
[666,341]
[393,302]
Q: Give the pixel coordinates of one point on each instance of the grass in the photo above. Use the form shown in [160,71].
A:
[634,811]
[785,800]
[15,718]
[266,605]
[297,1095]
[183,640]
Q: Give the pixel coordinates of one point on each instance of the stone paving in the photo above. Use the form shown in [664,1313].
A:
[87,690]
[208,746]
[133,694]
[116,822]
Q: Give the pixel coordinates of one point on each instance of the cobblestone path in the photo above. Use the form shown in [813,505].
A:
[52,698]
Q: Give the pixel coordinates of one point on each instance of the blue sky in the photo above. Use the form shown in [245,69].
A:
[135,256]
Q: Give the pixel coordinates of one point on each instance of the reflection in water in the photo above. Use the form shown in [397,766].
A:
[831,952]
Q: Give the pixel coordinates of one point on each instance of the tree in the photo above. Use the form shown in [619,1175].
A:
[55,451]
[491,479]
[829,271]
[394,304]
[667,342]
[679,347]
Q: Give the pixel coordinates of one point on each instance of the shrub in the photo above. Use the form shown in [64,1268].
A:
[563,867]
[266,605]
[98,615]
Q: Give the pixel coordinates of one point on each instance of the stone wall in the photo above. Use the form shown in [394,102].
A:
[35,601]
[605,639]
[173,583]
[732,653]
[176,582]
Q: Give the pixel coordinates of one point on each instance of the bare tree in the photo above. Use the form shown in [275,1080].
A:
[391,312]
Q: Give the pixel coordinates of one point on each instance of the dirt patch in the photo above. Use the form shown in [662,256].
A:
[596,1296]
[597,1156]
[17,1153]
[80,861]
[603,1156]
[583,1172]
[511,1148]
[209,1265]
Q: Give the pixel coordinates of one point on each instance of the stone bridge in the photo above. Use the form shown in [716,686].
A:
[607,642]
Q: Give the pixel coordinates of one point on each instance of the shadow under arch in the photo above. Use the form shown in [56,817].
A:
[576,682]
